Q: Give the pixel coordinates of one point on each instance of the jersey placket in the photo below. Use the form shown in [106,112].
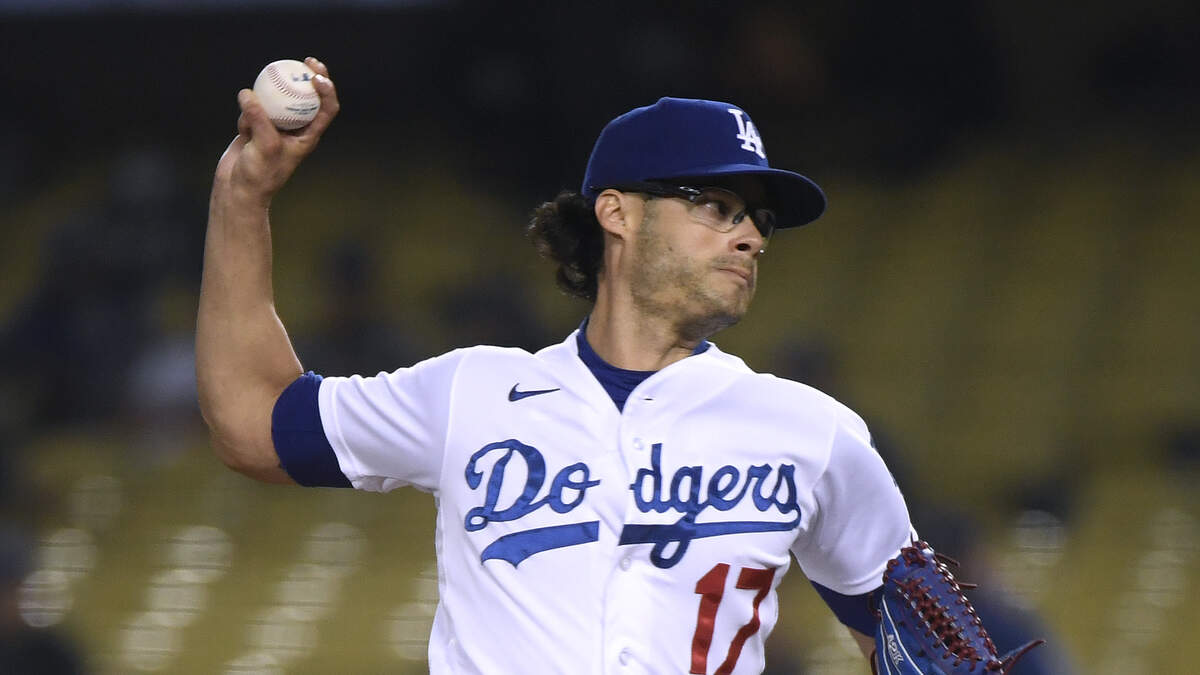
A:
[626,602]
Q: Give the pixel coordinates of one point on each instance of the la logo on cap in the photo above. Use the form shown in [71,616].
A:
[748,134]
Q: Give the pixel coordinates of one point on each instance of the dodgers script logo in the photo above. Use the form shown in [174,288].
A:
[686,493]
[726,490]
[518,546]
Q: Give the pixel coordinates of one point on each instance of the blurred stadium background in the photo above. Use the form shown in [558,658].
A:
[1005,285]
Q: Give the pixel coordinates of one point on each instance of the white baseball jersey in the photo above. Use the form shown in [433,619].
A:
[576,538]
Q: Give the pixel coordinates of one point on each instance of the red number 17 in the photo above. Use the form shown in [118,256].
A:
[711,589]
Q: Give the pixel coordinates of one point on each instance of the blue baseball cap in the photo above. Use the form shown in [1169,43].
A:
[680,139]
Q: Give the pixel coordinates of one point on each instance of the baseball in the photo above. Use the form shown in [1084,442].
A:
[286,91]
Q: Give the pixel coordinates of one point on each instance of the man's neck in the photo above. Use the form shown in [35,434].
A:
[629,339]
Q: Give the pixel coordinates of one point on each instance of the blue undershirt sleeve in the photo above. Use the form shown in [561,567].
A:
[853,611]
[304,450]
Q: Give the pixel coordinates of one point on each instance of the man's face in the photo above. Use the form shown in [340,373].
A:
[701,278]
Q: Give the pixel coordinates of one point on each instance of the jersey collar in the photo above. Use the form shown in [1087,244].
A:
[564,360]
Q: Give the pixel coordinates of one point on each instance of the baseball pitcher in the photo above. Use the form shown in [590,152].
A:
[625,501]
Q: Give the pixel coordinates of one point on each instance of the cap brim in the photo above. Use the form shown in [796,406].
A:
[796,199]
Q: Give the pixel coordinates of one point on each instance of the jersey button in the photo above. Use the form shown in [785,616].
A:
[637,444]
[625,656]
[626,562]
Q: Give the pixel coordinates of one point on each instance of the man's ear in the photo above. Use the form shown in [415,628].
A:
[615,212]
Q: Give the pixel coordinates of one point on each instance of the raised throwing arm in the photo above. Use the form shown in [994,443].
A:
[244,358]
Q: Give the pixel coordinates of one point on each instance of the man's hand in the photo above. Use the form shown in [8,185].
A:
[262,158]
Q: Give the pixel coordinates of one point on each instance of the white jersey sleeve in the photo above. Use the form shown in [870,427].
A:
[861,520]
[390,430]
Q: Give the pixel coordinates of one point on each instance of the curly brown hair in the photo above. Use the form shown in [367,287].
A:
[565,230]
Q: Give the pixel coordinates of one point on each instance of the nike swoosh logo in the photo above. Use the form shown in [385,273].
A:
[514,395]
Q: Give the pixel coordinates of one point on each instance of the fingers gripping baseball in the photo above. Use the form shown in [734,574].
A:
[262,158]
[329,100]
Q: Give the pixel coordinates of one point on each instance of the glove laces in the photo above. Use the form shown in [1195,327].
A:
[949,617]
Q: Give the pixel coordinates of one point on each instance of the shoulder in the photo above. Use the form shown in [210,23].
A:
[786,399]
[477,357]
[484,364]
[775,391]
[491,354]
[445,367]
[799,395]
[791,391]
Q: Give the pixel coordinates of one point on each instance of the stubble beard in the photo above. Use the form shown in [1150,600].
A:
[668,284]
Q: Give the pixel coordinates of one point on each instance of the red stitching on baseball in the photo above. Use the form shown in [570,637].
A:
[283,85]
